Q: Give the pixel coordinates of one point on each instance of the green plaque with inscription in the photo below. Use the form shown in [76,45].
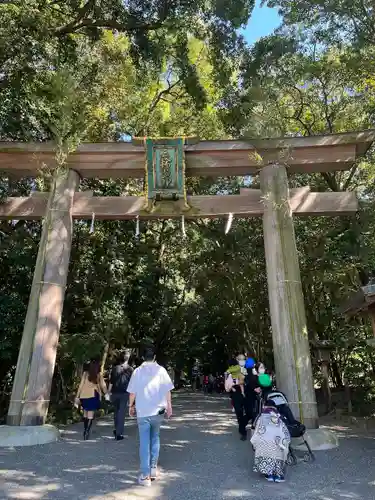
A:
[165,164]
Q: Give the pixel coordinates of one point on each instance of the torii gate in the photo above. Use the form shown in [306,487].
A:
[165,161]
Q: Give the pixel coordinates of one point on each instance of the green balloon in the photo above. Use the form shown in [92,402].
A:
[265,380]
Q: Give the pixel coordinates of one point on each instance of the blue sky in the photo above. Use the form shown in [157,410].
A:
[263,21]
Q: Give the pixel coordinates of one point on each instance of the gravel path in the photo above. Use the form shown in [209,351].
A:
[201,459]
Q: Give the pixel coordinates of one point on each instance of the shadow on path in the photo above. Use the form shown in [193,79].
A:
[202,458]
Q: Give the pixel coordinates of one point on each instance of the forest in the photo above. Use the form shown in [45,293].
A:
[77,71]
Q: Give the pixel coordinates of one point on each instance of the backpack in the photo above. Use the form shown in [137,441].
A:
[120,378]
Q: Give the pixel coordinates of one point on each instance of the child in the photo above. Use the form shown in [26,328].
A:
[232,363]
[271,441]
[237,374]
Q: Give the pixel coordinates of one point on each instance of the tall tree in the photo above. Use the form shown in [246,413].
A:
[343,21]
[39,36]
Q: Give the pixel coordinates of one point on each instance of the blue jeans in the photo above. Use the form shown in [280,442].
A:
[149,442]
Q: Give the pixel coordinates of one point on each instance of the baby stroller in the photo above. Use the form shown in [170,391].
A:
[296,429]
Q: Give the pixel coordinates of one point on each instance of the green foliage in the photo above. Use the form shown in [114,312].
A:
[39,37]
[330,20]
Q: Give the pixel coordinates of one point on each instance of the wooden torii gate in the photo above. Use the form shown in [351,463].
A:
[274,202]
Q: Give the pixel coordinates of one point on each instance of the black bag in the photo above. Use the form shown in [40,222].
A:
[120,378]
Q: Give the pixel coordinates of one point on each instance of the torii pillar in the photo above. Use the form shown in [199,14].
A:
[36,361]
[287,310]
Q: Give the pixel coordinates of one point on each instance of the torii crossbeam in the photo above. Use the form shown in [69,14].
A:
[249,203]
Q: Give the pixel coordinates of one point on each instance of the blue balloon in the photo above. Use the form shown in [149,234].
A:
[250,363]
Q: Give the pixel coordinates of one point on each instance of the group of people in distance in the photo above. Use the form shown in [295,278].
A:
[250,386]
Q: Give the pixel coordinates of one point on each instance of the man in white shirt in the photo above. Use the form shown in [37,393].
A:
[150,394]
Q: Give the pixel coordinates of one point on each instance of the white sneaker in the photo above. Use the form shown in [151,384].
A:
[154,473]
[279,479]
[144,481]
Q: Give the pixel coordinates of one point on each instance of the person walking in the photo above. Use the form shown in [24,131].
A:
[119,381]
[252,389]
[205,384]
[91,388]
[234,384]
[150,399]
[195,377]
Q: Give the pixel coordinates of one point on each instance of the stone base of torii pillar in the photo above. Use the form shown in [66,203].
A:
[27,435]
[321,439]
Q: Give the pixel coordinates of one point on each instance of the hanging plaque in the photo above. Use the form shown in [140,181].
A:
[165,164]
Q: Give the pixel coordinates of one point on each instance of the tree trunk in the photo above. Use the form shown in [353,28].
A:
[326,386]
[348,396]
[62,382]
[105,356]
[336,375]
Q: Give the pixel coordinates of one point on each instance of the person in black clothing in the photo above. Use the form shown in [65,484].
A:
[252,394]
[119,380]
[238,396]
[242,410]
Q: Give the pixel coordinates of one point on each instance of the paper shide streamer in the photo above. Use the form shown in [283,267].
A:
[229,223]
[183,230]
[92,223]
